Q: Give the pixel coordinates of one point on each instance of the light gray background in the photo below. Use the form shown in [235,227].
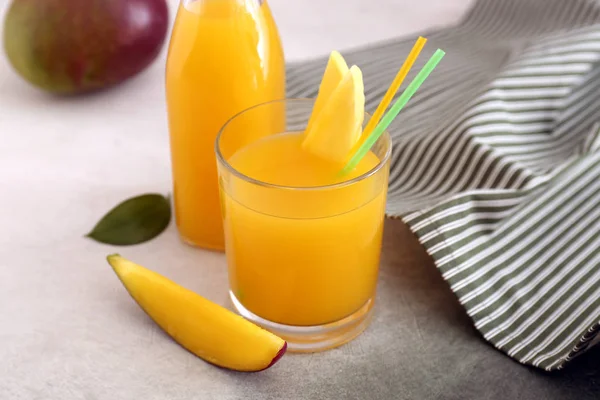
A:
[68,330]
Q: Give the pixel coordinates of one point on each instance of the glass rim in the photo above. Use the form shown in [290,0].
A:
[258,182]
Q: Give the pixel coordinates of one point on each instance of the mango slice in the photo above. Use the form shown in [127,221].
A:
[335,71]
[337,127]
[204,328]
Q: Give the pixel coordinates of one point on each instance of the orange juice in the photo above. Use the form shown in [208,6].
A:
[224,56]
[301,250]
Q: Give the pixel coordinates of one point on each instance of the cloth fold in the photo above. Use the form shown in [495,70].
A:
[496,167]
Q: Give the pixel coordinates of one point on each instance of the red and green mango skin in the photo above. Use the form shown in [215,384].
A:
[75,46]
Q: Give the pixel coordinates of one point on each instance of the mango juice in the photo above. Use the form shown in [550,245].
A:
[302,243]
[224,56]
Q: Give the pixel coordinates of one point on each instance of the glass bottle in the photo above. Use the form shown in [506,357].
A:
[224,57]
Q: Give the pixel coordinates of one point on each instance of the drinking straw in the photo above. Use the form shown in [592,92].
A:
[391,92]
[394,111]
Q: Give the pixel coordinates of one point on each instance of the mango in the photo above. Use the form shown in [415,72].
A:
[202,327]
[75,46]
[337,126]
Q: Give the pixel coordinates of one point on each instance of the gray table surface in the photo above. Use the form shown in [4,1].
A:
[68,330]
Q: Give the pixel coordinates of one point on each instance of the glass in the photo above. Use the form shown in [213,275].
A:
[302,261]
[224,56]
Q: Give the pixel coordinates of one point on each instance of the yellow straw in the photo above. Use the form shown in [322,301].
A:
[391,92]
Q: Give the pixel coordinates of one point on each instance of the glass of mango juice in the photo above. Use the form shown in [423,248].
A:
[302,241]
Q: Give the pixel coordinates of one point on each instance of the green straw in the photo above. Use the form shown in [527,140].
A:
[394,111]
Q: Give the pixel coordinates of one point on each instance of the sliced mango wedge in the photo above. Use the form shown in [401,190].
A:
[337,127]
[204,328]
[334,73]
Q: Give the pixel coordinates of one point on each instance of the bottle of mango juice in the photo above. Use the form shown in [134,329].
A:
[225,56]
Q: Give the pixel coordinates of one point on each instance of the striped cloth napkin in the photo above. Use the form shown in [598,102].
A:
[496,167]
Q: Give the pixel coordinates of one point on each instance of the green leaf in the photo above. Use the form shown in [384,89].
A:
[134,221]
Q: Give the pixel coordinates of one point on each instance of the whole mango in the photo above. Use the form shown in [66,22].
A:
[75,46]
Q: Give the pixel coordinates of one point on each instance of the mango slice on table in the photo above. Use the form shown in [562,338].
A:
[204,328]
